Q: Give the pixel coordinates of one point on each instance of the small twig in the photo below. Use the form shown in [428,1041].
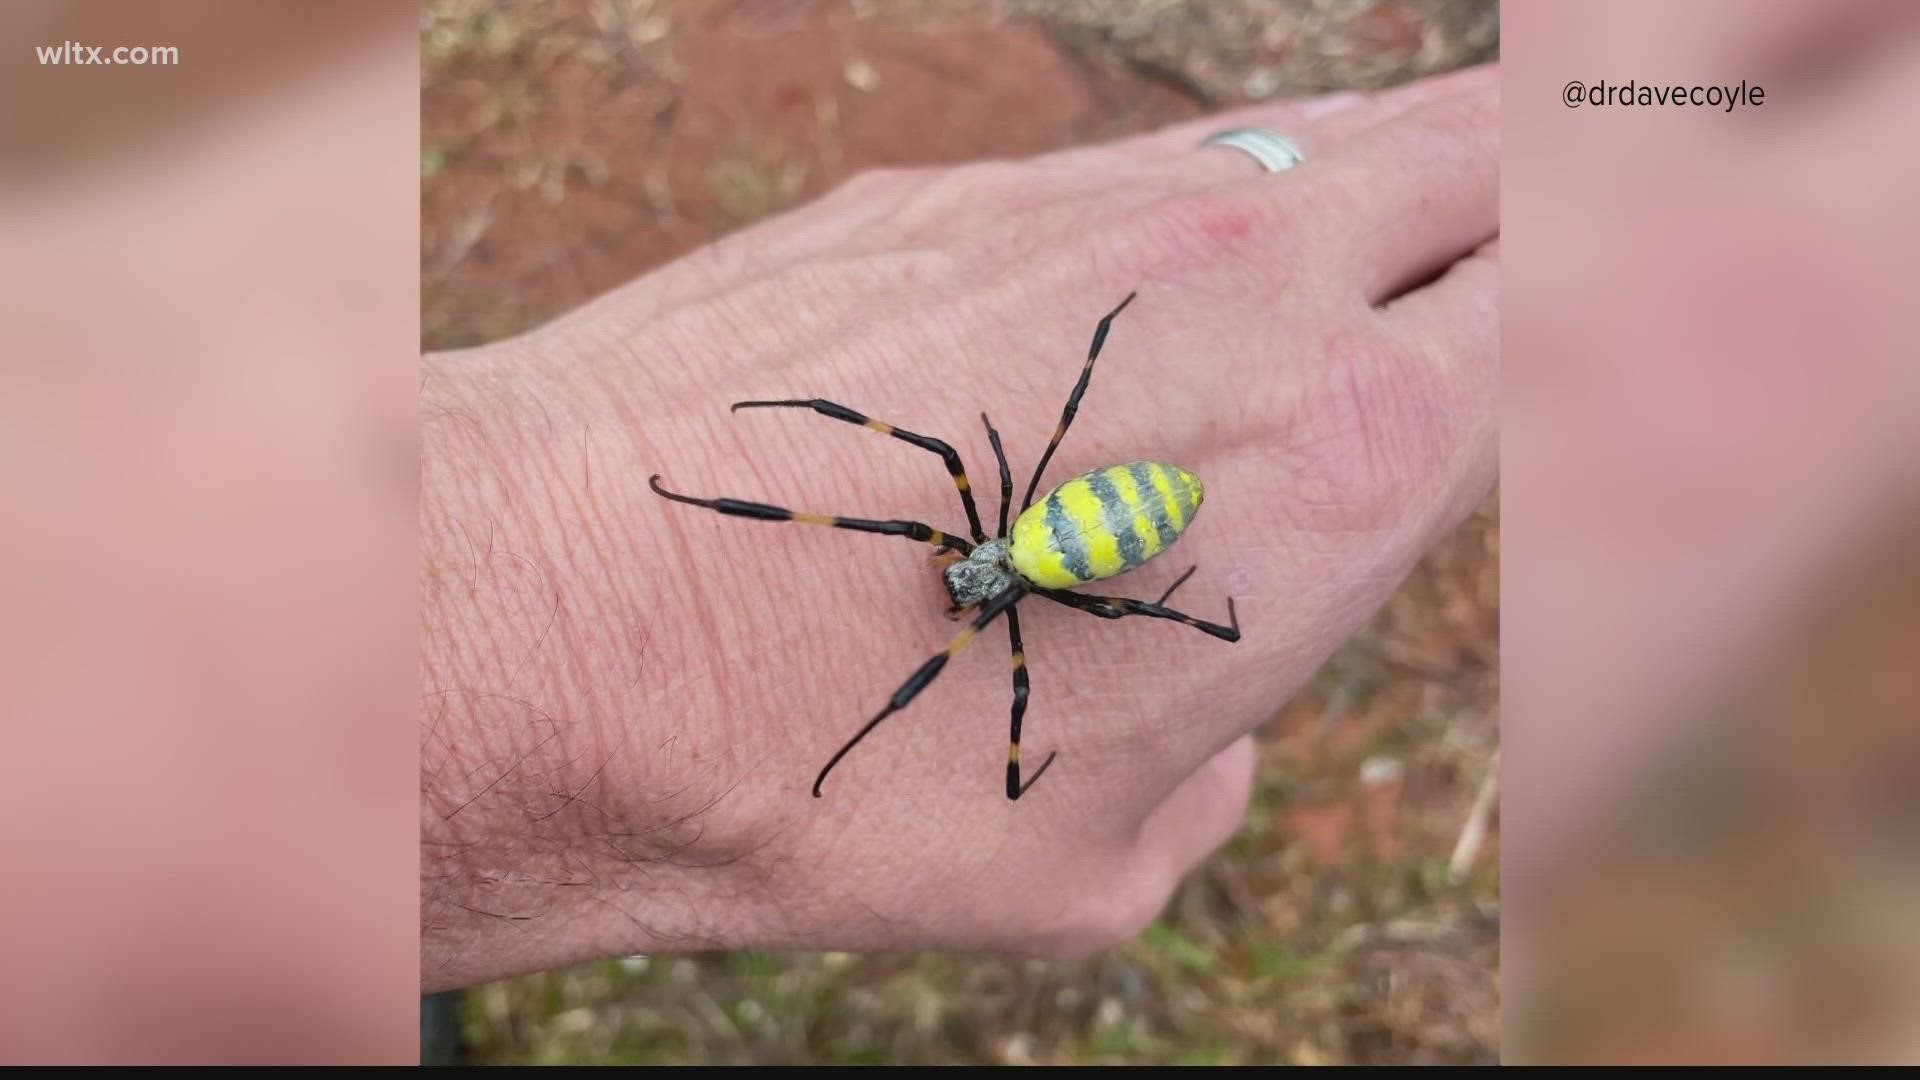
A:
[1474,833]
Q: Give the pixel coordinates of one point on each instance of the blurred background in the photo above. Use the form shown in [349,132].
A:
[1711,478]
[569,147]
[209,550]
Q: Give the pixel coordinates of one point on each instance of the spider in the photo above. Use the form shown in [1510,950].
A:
[1095,526]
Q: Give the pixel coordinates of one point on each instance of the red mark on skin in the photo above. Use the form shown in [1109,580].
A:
[1228,224]
[1199,232]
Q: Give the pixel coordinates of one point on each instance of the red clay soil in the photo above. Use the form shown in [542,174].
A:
[568,148]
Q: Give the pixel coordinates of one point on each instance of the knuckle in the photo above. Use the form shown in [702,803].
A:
[1204,230]
[1369,435]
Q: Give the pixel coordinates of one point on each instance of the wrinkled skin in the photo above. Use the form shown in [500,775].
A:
[627,699]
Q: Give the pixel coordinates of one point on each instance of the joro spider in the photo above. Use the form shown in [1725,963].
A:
[1095,526]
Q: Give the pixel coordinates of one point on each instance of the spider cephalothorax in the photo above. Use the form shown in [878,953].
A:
[1095,526]
[978,578]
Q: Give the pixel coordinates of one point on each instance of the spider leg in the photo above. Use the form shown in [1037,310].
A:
[1177,582]
[1119,607]
[914,530]
[1015,788]
[1006,477]
[1073,400]
[947,453]
[927,672]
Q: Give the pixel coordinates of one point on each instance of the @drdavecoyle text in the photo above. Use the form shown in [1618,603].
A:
[1653,95]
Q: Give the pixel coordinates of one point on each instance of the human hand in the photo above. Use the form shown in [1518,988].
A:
[628,700]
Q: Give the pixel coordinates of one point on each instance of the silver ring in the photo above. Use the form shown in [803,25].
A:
[1275,154]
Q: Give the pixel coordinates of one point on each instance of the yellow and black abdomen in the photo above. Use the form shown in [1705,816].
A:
[1103,523]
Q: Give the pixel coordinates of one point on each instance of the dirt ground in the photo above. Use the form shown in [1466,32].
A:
[569,147]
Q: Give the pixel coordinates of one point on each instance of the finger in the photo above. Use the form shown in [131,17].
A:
[1200,815]
[1451,327]
[1402,200]
[1457,315]
[1151,168]
[1313,125]
[1309,124]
